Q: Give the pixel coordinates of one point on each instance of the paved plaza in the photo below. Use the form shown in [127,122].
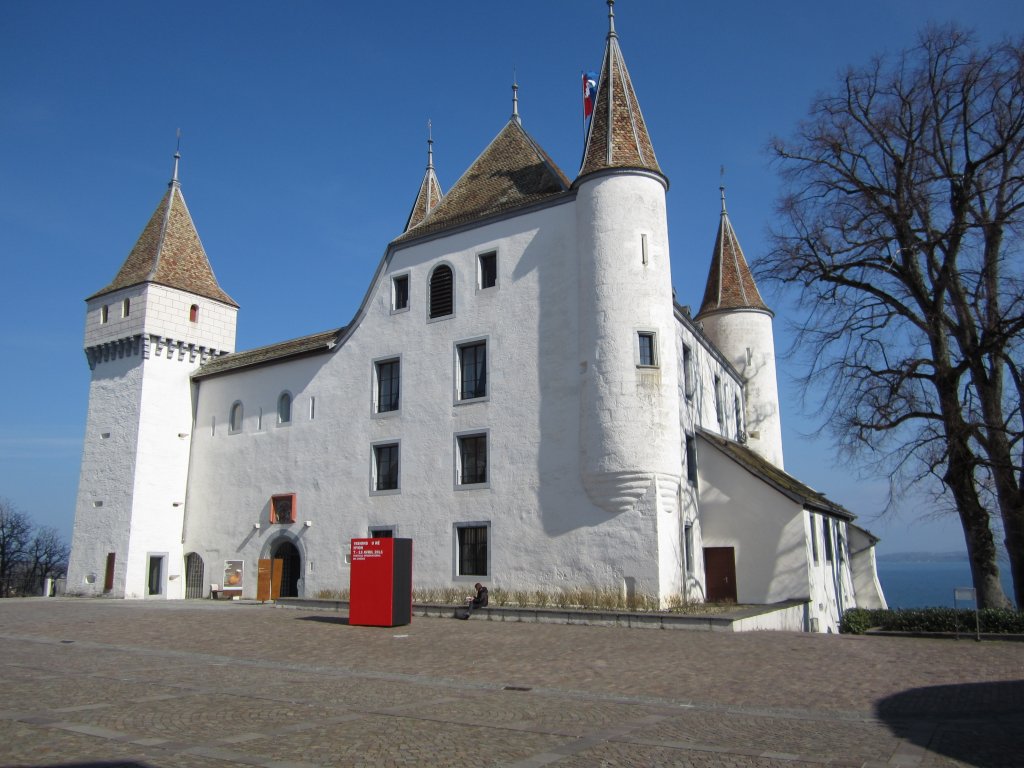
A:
[200,683]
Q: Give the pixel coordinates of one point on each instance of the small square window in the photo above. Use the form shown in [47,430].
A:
[472,361]
[648,353]
[388,373]
[488,269]
[472,459]
[385,467]
[282,508]
[472,549]
[399,293]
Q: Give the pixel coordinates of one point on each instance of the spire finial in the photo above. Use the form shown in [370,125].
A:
[721,186]
[430,145]
[515,97]
[611,18]
[177,157]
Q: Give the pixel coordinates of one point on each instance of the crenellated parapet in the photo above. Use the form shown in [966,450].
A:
[147,346]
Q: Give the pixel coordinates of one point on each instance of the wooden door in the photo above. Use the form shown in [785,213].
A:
[720,574]
[263,580]
[276,571]
[108,577]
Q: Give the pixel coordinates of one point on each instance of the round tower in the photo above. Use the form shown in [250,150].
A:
[738,322]
[630,434]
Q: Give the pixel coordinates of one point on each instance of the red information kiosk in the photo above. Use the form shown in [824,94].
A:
[380,587]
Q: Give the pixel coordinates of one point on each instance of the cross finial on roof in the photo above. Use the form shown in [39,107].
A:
[611,18]
[515,97]
[177,157]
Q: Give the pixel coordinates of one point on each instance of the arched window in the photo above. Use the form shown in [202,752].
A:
[284,408]
[442,291]
[193,313]
[236,417]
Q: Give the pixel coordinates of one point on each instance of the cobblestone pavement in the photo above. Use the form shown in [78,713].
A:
[199,683]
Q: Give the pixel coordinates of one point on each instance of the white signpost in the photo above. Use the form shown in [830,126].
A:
[966,595]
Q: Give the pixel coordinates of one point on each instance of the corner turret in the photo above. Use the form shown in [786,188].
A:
[739,323]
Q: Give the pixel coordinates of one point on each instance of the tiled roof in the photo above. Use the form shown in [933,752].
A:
[618,136]
[786,484]
[427,198]
[316,343]
[730,283]
[170,253]
[512,172]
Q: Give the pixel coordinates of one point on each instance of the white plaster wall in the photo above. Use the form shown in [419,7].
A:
[867,588]
[629,415]
[108,466]
[734,333]
[766,529]
[832,585]
[544,531]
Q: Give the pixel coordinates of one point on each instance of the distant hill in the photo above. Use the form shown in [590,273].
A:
[929,557]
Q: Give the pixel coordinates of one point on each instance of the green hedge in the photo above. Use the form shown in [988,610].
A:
[993,620]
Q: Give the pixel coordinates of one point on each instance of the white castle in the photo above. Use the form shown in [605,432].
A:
[518,393]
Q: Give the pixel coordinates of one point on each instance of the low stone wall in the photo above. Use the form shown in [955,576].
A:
[788,616]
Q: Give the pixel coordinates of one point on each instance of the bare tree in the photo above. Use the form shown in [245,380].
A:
[900,233]
[46,556]
[15,535]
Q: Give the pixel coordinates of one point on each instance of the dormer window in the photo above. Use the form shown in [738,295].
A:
[193,313]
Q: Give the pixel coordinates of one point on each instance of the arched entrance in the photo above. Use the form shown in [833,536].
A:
[291,568]
[193,576]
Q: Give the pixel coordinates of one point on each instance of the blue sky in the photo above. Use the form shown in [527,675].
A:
[304,130]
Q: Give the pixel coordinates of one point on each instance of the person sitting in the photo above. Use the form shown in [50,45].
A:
[477,601]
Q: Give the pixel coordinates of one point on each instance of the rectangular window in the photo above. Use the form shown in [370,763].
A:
[472,550]
[385,467]
[691,459]
[719,408]
[738,412]
[399,293]
[282,508]
[126,307]
[104,310]
[688,373]
[155,580]
[472,459]
[643,249]
[647,349]
[814,536]
[312,408]
[826,538]
[688,548]
[488,269]
[472,370]
[382,533]
[388,381]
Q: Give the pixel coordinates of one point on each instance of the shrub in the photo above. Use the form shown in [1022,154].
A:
[992,620]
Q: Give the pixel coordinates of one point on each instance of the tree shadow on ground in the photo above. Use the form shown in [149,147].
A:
[979,724]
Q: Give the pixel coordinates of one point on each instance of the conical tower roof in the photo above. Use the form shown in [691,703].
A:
[512,172]
[169,252]
[617,137]
[730,282]
[429,194]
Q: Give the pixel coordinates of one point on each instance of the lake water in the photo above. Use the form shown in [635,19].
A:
[923,584]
